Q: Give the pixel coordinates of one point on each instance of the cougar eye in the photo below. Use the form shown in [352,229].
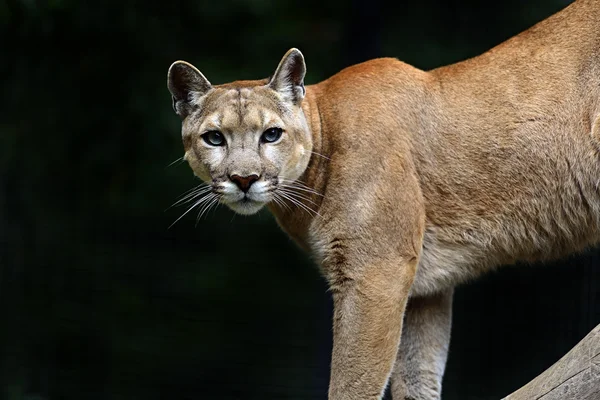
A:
[271,135]
[214,138]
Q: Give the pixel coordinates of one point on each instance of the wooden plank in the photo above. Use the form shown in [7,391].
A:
[575,376]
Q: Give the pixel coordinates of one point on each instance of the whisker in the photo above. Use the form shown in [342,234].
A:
[283,202]
[278,200]
[214,206]
[298,195]
[207,206]
[202,184]
[308,190]
[191,196]
[195,188]
[209,199]
[195,192]
[299,185]
[298,203]
[302,205]
[298,181]
[202,200]
[289,190]
[320,155]
[180,160]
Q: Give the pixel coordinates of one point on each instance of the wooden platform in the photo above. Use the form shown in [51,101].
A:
[576,376]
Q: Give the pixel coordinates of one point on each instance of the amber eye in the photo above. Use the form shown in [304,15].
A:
[271,135]
[214,138]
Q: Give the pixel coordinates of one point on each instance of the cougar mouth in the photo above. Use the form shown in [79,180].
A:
[249,202]
[246,205]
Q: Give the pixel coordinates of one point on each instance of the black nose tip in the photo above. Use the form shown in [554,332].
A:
[244,182]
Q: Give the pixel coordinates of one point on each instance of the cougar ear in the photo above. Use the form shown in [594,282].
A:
[185,83]
[288,78]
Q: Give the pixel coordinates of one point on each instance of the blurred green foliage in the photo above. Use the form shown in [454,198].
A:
[99,300]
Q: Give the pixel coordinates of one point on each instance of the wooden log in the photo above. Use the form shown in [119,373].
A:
[576,376]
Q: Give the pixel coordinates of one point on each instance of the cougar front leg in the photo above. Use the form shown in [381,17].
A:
[423,350]
[369,246]
[369,302]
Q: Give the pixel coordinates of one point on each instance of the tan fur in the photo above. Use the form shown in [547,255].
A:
[424,180]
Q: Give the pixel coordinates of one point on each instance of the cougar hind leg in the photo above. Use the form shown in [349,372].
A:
[423,351]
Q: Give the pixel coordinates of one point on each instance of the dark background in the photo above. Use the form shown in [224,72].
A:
[99,300]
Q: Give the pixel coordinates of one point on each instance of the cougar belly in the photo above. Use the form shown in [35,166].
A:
[456,254]
[444,264]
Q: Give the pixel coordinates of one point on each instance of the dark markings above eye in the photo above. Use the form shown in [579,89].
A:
[214,138]
[271,135]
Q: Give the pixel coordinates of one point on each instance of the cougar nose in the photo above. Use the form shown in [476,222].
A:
[244,182]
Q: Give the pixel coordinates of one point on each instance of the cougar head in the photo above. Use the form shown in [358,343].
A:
[245,139]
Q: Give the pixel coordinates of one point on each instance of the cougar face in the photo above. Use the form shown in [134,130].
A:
[248,138]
